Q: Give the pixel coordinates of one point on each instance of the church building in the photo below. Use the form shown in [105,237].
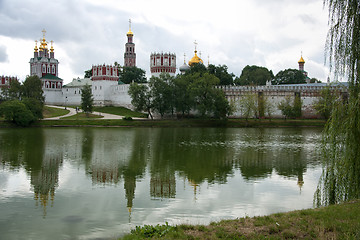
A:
[45,65]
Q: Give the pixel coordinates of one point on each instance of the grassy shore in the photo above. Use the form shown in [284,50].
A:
[333,222]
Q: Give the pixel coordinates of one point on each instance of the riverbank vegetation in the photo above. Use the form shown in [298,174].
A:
[333,222]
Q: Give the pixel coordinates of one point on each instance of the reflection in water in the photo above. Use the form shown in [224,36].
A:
[162,157]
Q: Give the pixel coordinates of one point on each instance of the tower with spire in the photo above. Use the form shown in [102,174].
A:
[301,64]
[45,65]
[130,55]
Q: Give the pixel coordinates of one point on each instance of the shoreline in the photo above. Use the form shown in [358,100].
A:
[228,123]
[340,221]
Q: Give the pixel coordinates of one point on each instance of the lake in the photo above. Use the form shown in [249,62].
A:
[99,183]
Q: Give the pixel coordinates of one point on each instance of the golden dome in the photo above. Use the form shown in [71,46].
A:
[195,59]
[301,60]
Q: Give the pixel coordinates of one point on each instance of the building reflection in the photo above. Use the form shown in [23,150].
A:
[195,155]
[163,186]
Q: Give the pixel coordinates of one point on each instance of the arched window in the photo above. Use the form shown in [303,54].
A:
[53,69]
[43,68]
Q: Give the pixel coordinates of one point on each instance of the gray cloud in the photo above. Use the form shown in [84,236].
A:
[3,54]
[95,33]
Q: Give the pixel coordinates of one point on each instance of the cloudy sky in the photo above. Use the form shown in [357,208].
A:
[232,32]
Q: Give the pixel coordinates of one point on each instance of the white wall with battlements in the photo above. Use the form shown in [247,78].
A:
[275,94]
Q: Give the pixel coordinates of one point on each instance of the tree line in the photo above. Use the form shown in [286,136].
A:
[193,92]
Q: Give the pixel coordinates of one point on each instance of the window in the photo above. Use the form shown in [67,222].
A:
[43,68]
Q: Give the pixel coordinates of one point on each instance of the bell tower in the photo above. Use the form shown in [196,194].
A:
[130,55]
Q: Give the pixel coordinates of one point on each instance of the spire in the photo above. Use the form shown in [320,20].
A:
[195,43]
[184,58]
[36,48]
[130,33]
[52,49]
[301,63]
[301,59]
[43,43]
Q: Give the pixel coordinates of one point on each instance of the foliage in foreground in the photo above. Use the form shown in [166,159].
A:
[340,180]
[333,222]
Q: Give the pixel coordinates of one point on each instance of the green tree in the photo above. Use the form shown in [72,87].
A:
[30,94]
[32,88]
[340,180]
[88,73]
[87,100]
[291,107]
[132,74]
[289,76]
[248,105]
[269,108]
[325,102]
[35,106]
[254,75]
[141,98]
[315,80]
[15,111]
[221,72]
[162,93]
[222,108]
[183,100]
[13,92]
[203,92]
[197,68]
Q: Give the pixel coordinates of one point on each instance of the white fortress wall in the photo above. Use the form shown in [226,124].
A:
[53,96]
[119,96]
[275,94]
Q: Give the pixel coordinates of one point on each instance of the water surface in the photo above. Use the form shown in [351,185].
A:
[89,183]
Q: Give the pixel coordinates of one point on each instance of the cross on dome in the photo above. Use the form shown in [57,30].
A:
[44,31]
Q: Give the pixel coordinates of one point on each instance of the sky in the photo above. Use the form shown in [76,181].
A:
[272,34]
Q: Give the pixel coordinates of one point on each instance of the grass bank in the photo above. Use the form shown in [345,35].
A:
[332,222]
[82,116]
[121,111]
[49,112]
[182,123]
